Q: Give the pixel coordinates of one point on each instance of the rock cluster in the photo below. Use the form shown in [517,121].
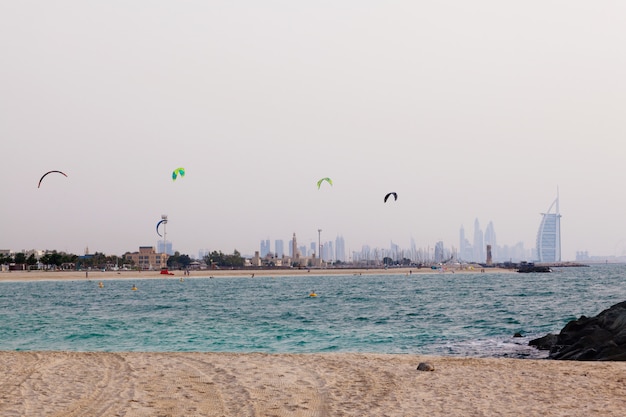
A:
[599,338]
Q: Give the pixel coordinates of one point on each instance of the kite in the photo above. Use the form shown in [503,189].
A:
[49,172]
[395,196]
[157,226]
[177,172]
[328,180]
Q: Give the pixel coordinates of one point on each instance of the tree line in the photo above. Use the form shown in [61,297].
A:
[54,259]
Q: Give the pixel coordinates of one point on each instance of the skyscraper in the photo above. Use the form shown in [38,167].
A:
[413,256]
[279,248]
[394,251]
[439,255]
[340,249]
[465,247]
[549,234]
[295,254]
[328,251]
[265,247]
[479,250]
[165,247]
[490,239]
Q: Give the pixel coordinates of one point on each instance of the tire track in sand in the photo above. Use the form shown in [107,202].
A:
[97,392]
[64,384]
[251,388]
[228,385]
[296,390]
[14,375]
[360,394]
[172,385]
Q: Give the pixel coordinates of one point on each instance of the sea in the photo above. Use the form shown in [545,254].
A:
[449,314]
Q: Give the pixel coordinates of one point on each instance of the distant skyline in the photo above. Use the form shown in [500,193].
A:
[508,251]
[464,109]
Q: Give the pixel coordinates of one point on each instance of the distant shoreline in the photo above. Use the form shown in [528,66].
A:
[222,273]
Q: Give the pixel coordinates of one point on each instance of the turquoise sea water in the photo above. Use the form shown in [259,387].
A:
[443,314]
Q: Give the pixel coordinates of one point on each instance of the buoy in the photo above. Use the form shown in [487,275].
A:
[134,288]
[312,295]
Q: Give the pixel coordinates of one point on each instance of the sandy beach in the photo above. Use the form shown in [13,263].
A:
[229,384]
[217,273]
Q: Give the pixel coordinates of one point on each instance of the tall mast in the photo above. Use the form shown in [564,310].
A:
[164,256]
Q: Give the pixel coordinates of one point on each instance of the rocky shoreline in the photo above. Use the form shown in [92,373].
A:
[599,338]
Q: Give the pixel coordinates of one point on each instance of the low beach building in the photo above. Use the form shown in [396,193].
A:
[147,258]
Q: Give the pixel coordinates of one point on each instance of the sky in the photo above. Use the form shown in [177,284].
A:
[467,110]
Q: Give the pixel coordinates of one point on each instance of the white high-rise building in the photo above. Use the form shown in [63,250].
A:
[549,234]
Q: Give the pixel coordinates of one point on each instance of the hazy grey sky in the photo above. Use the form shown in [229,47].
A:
[466,109]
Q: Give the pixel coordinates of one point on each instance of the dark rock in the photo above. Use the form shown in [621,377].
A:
[526,267]
[425,366]
[544,343]
[517,334]
[599,338]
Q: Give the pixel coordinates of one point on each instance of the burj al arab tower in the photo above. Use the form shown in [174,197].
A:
[549,234]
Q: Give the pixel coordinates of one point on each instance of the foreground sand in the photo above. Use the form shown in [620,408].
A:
[254,384]
[99,275]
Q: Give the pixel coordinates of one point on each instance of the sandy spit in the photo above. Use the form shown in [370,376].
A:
[100,275]
[344,384]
